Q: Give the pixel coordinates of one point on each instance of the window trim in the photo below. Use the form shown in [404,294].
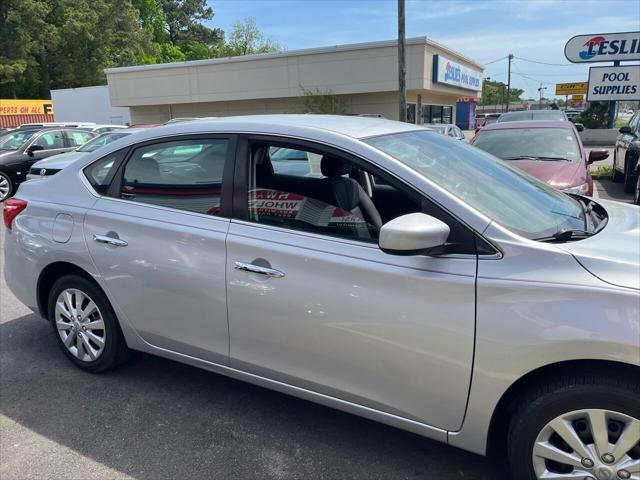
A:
[115,187]
[240,212]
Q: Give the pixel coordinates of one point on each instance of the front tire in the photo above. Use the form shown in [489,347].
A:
[636,196]
[577,427]
[85,325]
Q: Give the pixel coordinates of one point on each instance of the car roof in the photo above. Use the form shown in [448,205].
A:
[285,124]
[530,124]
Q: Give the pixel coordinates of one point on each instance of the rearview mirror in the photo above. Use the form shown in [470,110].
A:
[34,148]
[596,155]
[412,234]
[579,126]
[626,129]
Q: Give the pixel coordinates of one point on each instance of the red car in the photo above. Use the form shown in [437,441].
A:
[551,151]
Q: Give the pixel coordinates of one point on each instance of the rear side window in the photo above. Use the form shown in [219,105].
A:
[50,140]
[78,137]
[185,174]
[100,174]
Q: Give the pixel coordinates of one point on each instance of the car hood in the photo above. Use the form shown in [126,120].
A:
[612,255]
[559,174]
[59,161]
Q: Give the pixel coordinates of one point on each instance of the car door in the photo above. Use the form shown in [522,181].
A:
[51,142]
[623,142]
[157,237]
[314,303]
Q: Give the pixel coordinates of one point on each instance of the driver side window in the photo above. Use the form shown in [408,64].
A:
[50,140]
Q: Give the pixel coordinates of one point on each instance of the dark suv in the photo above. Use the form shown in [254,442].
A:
[626,167]
[19,149]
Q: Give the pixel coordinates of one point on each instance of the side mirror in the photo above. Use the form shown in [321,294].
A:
[34,148]
[597,155]
[412,234]
[579,126]
[626,129]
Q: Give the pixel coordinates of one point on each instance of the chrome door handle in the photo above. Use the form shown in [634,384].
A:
[250,267]
[116,242]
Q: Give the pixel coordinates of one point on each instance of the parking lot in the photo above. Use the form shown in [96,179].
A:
[157,419]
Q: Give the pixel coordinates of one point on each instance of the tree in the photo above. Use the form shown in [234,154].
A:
[247,39]
[595,116]
[494,93]
[184,22]
[318,101]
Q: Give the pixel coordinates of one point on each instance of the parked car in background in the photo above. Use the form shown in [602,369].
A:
[23,147]
[549,150]
[181,119]
[447,129]
[625,157]
[103,128]
[52,165]
[57,124]
[572,114]
[524,115]
[483,119]
[419,282]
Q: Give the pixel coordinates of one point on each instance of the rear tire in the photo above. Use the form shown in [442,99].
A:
[636,196]
[6,187]
[575,402]
[85,325]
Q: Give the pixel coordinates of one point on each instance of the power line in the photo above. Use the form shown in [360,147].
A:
[552,64]
[501,58]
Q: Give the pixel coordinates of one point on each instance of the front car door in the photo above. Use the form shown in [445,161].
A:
[52,143]
[314,303]
[157,238]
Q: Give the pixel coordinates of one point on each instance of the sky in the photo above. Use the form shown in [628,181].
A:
[484,30]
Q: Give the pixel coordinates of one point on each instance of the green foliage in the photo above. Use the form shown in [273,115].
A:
[603,171]
[595,116]
[46,44]
[247,39]
[492,93]
[318,101]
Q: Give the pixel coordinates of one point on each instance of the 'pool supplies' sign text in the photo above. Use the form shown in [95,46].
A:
[449,72]
[614,83]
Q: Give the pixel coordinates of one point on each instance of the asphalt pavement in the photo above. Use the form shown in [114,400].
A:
[158,419]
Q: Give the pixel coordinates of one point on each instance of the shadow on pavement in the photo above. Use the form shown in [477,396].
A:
[612,191]
[155,418]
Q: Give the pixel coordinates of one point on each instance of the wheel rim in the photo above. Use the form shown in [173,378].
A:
[4,187]
[589,444]
[80,325]
[637,195]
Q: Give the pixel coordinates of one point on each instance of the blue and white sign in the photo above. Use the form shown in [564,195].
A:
[603,47]
[614,83]
[453,73]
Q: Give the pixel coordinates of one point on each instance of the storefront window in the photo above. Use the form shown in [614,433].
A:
[437,113]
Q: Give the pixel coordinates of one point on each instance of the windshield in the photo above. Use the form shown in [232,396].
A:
[14,140]
[101,141]
[526,115]
[503,193]
[536,143]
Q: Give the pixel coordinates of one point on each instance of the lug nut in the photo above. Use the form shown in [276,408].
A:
[608,458]
[587,462]
[84,328]
[624,474]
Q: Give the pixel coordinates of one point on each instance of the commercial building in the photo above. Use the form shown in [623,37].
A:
[364,75]
[87,104]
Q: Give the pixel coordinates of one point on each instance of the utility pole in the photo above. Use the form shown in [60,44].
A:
[484,100]
[402,67]
[541,89]
[612,104]
[509,81]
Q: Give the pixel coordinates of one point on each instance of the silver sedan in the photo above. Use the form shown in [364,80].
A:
[365,264]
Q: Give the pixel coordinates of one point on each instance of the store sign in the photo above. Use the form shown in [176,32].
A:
[26,107]
[614,83]
[577,98]
[452,73]
[571,88]
[603,47]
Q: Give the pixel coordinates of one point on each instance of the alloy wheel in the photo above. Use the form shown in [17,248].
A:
[589,444]
[80,325]
[5,187]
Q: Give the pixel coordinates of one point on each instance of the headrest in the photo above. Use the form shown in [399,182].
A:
[333,167]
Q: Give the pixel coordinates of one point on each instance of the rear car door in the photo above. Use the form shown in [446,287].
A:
[158,240]
[313,302]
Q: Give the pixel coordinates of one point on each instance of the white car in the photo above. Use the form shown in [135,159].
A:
[447,129]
